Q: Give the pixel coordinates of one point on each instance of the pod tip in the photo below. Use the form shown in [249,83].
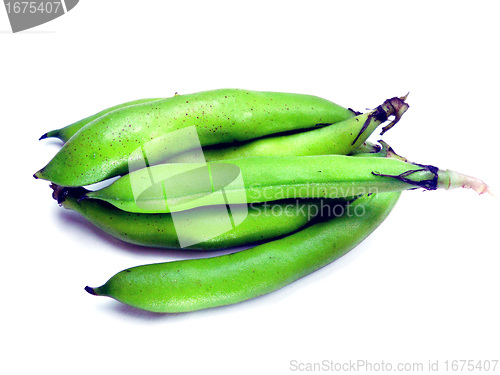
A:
[38,174]
[90,290]
[52,134]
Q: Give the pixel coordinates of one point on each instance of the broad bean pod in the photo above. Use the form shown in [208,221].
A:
[341,138]
[173,125]
[176,187]
[188,285]
[257,222]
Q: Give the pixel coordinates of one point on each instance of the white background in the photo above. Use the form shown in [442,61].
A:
[424,286]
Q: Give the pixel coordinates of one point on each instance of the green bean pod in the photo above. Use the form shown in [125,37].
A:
[264,221]
[177,187]
[259,222]
[188,285]
[341,138]
[64,134]
[167,127]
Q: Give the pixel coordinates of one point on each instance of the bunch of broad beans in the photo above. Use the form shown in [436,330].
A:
[289,177]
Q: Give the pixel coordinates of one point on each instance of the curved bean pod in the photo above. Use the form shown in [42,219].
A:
[341,138]
[121,137]
[261,222]
[188,285]
[177,187]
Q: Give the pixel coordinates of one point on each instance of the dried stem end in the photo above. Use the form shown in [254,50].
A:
[391,107]
[451,180]
[396,107]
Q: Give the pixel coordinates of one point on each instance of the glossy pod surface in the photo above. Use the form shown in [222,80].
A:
[124,136]
[341,138]
[263,179]
[261,222]
[189,285]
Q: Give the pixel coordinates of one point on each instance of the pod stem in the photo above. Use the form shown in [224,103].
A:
[444,179]
[391,107]
[452,180]
[396,107]
[428,184]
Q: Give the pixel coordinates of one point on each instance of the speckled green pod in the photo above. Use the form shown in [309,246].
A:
[188,285]
[341,138]
[64,134]
[263,179]
[261,222]
[149,131]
